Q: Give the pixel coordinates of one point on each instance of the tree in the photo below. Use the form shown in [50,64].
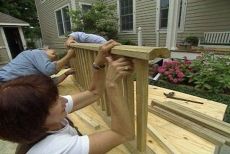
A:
[26,11]
[100,19]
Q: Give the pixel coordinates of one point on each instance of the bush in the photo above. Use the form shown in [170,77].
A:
[193,40]
[100,19]
[176,71]
[126,42]
[211,73]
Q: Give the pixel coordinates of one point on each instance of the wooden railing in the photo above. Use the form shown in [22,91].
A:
[85,54]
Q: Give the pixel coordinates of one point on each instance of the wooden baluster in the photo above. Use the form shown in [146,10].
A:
[141,67]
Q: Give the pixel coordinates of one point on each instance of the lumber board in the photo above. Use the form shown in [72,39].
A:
[169,148]
[190,126]
[141,102]
[210,108]
[139,52]
[199,118]
[183,140]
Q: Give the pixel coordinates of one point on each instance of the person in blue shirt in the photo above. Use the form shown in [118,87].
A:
[81,37]
[37,61]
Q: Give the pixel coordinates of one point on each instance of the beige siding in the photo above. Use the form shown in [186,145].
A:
[47,20]
[206,16]
[201,16]
[145,18]
[3,53]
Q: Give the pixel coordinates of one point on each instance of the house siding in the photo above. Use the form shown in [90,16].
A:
[206,16]
[145,18]
[47,20]
[3,53]
[201,16]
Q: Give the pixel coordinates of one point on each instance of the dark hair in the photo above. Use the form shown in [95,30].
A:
[24,107]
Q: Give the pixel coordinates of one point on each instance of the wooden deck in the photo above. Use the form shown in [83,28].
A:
[182,141]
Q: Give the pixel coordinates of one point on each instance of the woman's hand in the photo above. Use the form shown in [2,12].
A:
[70,71]
[104,51]
[117,69]
[69,41]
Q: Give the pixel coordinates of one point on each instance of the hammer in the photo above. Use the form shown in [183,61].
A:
[171,95]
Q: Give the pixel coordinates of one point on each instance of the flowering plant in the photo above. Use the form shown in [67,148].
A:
[176,71]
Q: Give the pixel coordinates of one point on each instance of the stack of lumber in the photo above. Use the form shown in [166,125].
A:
[173,138]
[211,129]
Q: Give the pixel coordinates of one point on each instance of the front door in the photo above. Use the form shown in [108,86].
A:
[14,40]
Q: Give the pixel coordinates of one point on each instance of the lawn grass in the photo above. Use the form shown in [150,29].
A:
[225,99]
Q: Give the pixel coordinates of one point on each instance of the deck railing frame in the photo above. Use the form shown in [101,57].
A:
[85,54]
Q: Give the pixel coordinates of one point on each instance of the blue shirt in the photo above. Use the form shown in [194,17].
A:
[27,63]
[82,37]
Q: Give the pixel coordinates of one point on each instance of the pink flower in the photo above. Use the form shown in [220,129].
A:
[180,75]
[175,80]
[161,69]
[166,73]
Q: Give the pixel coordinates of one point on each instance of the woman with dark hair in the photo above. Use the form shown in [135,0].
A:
[32,112]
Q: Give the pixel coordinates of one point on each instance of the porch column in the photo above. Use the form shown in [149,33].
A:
[173,16]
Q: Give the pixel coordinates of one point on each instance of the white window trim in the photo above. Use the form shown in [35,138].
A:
[42,1]
[60,8]
[182,20]
[134,31]
[83,3]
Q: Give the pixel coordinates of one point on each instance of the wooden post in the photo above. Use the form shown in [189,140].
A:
[142,67]
[139,36]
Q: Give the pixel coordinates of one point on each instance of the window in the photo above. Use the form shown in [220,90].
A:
[85,7]
[63,21]
[164,8]
[126,15]
[162,14]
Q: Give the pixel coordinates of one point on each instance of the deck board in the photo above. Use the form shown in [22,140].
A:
[183,140]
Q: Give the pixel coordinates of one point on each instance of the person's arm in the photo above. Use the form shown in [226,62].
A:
[97,87]
[62,77]
[63,61]
[121,125]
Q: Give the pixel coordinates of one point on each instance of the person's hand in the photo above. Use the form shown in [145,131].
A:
[104,51]
[117,69]
[68,42]
[71,71]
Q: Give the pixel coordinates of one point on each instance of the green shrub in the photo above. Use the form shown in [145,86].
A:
[211,73]
[100,19]
[193,40]
[126,42]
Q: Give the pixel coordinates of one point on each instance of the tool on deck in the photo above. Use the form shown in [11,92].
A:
[171,95]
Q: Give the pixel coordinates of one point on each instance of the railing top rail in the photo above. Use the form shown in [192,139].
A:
[139,52]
